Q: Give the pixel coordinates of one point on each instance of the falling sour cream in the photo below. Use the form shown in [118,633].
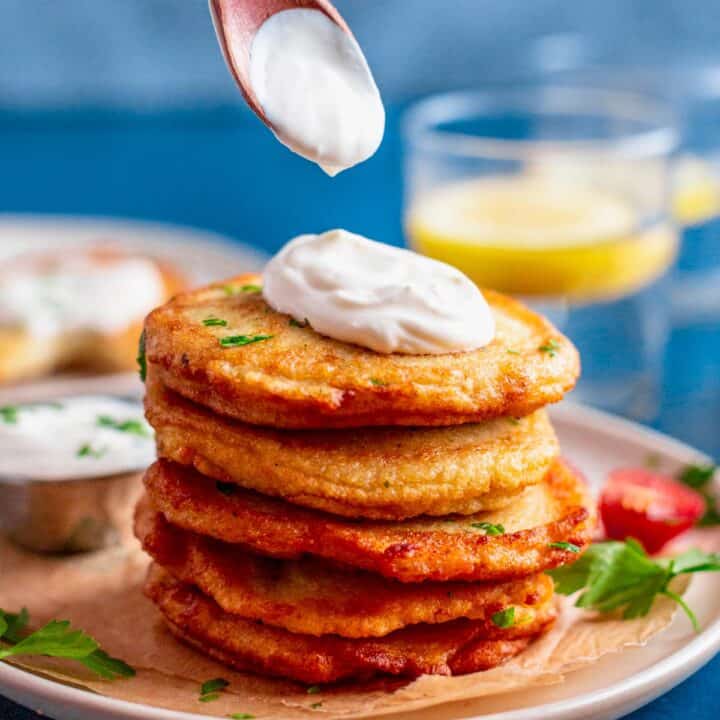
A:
[315,87]
[78,437]
[384,298]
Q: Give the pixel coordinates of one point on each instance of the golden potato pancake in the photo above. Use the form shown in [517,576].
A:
[457,647]
[311,596]
[273,372]
[451,548]
[382,473]
[24,355]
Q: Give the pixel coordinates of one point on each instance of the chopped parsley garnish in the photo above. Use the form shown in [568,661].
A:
[241,716]
[316,705]
[570,547]
[210,689]
[504,618]
[294,323]
[314,690]
[489,528]
[214,322]
[700,478]
[621,576]
[378,383]
[226,488]
[9,414]
[57,639]
[240,340]
[550,347]
[15,624]
[141,360]
[87,450]
[233,290]
[513,420]
[132,427]
[510,351]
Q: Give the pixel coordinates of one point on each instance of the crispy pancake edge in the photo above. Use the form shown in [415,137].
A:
[395,550]
[383,473]
[458,647]
[312,597]
[300,379]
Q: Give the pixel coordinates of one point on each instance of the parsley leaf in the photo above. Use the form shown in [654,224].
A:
[12,625]
[570,547]
[9,414]
[550,347]
[233,290]
[504,618]
[132,427]
[141,359]
[314,690]
[510,351]
[241,716]
[700,478]
[621,576]
[214,322]
[87,450]
[489,528]
[315,706]
[212,686]
[239,340]
[294,323]
[58,639]
[377,382]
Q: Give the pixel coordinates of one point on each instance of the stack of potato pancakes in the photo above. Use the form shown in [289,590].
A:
[321,511]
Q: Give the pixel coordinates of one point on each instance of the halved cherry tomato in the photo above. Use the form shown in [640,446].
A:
[649,507]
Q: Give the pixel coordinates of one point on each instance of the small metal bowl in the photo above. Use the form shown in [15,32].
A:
[74,514]
[69,516]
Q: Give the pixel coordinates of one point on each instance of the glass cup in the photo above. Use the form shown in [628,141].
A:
[560,196]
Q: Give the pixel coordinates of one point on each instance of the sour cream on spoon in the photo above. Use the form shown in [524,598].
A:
[304,74]
[384,298]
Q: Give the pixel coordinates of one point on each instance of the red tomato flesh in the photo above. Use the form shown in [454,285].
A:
[649,507]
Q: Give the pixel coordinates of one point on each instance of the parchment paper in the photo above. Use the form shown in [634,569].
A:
[101,593]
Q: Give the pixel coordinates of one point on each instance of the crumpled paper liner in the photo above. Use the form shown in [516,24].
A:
[101,593]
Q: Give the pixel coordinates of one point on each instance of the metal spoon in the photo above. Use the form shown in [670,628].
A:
[237,21]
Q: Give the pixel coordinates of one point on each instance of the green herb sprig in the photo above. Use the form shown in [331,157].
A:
[141,359]
[700,478]
[210,690]
[214,322]
[550,347]
[504,618]
[570,547]
[57,639]
[621,576]
[490,529]
[132,427]
[239,340]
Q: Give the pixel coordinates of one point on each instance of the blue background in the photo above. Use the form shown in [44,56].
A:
[123,108]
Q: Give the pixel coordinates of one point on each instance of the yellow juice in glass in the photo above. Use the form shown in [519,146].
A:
[542,237]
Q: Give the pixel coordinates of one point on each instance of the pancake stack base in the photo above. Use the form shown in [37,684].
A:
[328,552]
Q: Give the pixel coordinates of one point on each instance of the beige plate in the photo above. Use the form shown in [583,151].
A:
[610,688]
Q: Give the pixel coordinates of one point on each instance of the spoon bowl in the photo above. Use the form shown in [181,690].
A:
[236,23]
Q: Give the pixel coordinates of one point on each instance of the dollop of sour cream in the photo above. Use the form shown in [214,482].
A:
[316,89]
[76,437]
[79,294]
[380,297]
